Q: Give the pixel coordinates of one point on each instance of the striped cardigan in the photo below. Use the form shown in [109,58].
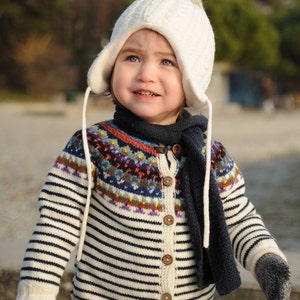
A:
[137,243]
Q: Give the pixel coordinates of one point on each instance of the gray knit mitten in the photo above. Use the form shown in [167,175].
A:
[273,276]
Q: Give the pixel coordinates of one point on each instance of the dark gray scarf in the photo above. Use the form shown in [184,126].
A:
[215,264]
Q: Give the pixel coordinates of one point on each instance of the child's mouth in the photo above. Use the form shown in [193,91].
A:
[146,93]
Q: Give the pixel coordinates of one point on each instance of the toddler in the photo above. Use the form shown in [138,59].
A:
[155,204]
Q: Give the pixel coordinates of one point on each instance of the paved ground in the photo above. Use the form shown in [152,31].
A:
[33,135]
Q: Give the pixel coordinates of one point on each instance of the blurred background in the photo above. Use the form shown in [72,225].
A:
[46,48]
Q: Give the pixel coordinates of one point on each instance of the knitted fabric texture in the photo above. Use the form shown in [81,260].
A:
[273,275]
[216,264]
[126,237]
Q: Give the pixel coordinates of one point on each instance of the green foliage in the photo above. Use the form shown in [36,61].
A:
[243,34]
[128,2]
[288,24]
[9,9]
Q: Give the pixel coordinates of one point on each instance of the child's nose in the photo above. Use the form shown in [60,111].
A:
[146,72]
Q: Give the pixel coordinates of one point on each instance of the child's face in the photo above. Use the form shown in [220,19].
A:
[147,80]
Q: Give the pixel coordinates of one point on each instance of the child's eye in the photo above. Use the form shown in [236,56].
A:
[132,58]
[167,62]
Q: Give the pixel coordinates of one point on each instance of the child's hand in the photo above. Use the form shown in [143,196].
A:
[273,276]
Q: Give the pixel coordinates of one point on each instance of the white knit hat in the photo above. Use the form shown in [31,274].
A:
[186,26]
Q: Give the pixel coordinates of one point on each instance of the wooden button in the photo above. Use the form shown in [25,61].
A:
[177,149]
[168,220]
[167,259]
[168,181]
[166,296]
[161,149]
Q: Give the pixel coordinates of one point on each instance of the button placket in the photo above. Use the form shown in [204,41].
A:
[161,149]
[166,296]
[168,220]
[177,150]
[167,259]
[167,181]
[167,164]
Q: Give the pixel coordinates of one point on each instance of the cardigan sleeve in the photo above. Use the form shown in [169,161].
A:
[249,236]
[61,206]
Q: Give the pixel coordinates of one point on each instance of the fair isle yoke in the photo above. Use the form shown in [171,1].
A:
[137,242]
[132,168]
[128,165]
